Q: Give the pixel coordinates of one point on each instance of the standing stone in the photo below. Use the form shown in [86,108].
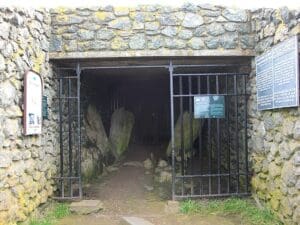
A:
[122,122]
[196,124]
[95,130]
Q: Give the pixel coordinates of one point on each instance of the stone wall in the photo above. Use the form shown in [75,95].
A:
[27,163]
[275,134]
[150,30]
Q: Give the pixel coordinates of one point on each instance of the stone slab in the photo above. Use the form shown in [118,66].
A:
[85,207]
[135,221]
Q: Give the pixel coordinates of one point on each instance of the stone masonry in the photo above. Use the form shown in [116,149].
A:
[27,163]
[29,38]
[274,134]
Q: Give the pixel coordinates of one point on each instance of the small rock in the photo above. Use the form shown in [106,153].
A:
[149,188]
[162,163]
[148,165]
[85,207]
[111,169]
[134,164]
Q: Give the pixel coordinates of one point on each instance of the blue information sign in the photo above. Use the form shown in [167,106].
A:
[277,76]
[212,106]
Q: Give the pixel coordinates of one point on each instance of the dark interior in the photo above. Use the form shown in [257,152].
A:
[142,91]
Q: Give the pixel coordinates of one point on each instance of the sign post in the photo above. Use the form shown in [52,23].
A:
[33,91]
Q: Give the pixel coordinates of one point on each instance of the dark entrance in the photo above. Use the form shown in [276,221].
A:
[209,156]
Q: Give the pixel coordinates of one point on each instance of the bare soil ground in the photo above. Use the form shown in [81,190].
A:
[123,193]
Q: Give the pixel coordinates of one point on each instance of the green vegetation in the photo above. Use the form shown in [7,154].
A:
[59,211]
[243,208]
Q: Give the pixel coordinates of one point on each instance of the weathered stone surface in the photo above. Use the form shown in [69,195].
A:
[5,28]
[153,26]
[121,23]
[212,43]
[86,35]
[155,43]
[55,44]
[169,31]
[135,221]
[196,43]
[148,165]
[215,29]
[122,122]
[192,20]
[137,42]
[185,117]
[185,34]
[174,43]
[95,130]
[235,15]
[8,94]
[5,159]
[85,207]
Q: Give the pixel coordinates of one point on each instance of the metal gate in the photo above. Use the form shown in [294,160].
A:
[209,155]
[69,180]
[208,161]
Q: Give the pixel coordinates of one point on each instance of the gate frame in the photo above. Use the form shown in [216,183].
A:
[78,70]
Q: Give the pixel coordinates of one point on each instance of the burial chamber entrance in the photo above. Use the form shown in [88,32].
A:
[192,111]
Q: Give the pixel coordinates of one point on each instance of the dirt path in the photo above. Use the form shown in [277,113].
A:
[123,193]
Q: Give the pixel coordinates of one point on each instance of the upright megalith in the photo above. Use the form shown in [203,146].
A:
[122,122]
[188,122]
[95,131]
[96,147]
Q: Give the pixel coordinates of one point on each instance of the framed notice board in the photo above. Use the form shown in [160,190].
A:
[33,92]
[210,106]
[277,76]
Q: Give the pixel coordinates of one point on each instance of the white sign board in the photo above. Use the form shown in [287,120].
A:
[277,76]
[33,91]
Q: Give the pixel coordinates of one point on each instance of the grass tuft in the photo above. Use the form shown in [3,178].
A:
[59,211]
[244,208]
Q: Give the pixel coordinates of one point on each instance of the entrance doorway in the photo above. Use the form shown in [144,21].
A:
[209,155]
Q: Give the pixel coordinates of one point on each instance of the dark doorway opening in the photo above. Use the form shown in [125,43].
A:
[208,161]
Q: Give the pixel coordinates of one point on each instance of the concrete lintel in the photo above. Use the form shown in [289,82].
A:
[149,53]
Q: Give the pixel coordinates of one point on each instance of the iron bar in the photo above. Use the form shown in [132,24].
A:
[208,74]
[193,95]
[61,138]
[209,147]
[200,139]
[236,135]
[191,131]
[228,135]
[207,175]
[218,141]
[70,136]
[213,195]
[152,66]
[245,135]
[172,128]
[182,153]
[78,72]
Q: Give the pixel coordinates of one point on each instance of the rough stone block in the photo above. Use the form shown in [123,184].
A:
[85,207]
[135,221]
